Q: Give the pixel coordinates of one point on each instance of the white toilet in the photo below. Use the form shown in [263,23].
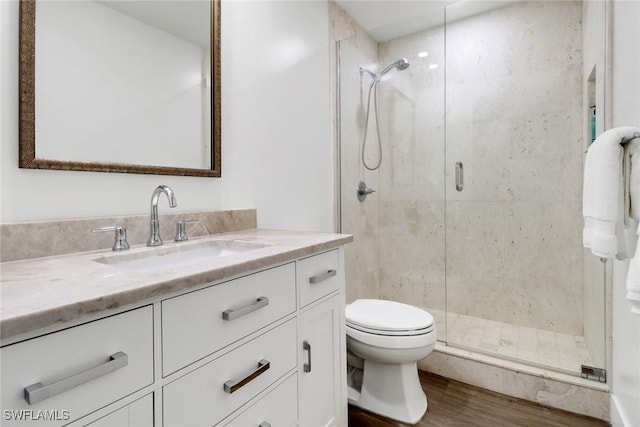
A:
[385,340]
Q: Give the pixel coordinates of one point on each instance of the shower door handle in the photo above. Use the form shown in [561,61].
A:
[459,176]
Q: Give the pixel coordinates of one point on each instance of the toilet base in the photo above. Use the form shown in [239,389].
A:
[391,390]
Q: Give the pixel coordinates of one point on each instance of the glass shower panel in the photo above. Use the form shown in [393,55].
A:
[399,241]
[412,174]
[515,266]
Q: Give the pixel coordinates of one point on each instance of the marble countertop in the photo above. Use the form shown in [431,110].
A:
[44,292]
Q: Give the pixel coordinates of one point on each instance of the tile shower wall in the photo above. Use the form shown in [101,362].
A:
[357,49]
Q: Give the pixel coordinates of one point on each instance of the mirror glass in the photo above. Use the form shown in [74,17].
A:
[121,86]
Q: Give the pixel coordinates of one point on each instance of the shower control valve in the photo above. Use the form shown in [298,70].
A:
[364,191]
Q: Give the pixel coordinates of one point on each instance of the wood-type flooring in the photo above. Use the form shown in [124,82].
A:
[455,404]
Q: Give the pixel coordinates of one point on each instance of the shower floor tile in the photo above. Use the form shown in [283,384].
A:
[536,346]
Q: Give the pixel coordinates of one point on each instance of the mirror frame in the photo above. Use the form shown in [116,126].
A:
[27,120]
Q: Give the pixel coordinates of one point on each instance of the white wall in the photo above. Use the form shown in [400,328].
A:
[275,115]
[625,403]
[275,124]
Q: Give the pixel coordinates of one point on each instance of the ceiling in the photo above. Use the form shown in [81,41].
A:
[186,19]
[386,20]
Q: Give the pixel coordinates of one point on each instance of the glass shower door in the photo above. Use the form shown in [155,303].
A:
[515,266]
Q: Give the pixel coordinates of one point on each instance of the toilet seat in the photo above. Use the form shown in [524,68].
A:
[401,333]
[396,342]
[389,318]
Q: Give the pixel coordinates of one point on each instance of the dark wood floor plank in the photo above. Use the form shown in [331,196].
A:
[455,404]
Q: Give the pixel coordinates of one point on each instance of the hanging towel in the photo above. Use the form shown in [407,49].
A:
[603,204]
[633,280]
[632,151]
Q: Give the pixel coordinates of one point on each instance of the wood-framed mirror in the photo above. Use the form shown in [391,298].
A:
[113,86]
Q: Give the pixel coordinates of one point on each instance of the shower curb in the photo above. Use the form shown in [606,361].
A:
[516,379]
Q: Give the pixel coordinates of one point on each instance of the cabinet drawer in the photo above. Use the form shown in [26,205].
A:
[318,276]
[277,408]
[199,398]
[193,325]
[75,369]
[136,414]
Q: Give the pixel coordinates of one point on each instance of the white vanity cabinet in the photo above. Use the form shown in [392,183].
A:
[321,334]
[322,374]
[60,377]
[304,338]
[266,348]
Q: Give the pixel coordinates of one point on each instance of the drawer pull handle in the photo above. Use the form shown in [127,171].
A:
[265,424]
[322,277]
[307,347]
[234,314]
[231,386]
[38,392]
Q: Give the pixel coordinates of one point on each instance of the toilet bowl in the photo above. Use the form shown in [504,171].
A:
[385,340]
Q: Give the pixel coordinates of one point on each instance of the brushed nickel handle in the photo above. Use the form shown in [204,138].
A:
[307,347]
[120,243]
[234,314]
[363,191]
[232,386]
[322,277]
[38,392]
[181,229]
[459,176]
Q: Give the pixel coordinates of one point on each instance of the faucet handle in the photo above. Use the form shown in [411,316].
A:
[121,243]
[181,229]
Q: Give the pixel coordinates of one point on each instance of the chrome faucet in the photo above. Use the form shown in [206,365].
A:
[154,237]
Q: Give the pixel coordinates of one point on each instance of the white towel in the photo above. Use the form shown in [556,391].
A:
[604,193]
[632,151]
[633,278]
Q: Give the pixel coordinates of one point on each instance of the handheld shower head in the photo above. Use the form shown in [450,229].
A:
[400,64]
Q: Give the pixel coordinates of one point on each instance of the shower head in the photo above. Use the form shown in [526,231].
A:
[400,64]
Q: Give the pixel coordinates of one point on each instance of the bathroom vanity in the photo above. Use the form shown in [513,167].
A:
[252,337]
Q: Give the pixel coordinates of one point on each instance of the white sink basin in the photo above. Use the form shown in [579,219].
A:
[164,258]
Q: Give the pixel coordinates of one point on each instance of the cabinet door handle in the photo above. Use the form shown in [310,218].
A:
[234,314]
[38,392]
[265,424]
[307,347]
[231,386]
[322,277]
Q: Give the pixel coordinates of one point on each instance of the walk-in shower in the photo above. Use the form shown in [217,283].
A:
[499,263]
[400,64]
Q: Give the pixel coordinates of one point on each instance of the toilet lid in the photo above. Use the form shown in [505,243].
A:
[382,315]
